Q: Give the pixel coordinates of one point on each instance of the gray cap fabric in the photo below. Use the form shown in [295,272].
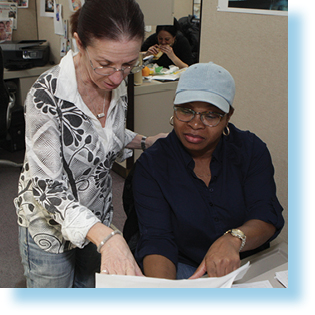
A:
[206,82]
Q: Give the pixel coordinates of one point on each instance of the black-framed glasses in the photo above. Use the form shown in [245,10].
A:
[108,70]
[210,119]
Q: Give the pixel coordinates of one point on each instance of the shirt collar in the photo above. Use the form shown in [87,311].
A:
[67,87]
[217,154]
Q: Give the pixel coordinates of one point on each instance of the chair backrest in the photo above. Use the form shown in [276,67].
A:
[4,100]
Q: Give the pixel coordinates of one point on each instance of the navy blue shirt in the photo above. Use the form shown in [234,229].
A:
[180,217]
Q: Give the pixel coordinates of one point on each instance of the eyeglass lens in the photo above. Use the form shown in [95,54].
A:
[187,114]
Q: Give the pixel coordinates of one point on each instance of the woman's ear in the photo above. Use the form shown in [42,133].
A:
[230,113]
[78,41]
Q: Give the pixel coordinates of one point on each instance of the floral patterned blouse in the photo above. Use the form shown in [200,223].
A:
[65,186]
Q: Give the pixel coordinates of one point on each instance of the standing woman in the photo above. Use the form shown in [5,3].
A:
[75,129]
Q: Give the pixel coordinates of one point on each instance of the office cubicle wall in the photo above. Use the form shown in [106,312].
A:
[254,48]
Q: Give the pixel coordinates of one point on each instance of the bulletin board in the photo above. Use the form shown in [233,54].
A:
[269,7]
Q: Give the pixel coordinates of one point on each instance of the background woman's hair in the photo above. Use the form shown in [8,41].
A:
[108,19]
[172,29]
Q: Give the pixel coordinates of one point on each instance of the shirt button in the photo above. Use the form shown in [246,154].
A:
[211,204]
[216,219]
[211,189]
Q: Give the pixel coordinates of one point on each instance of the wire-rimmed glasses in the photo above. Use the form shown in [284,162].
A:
[210,119]
[108,70]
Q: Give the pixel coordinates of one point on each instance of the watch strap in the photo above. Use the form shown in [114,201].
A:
[143,147]
[238,233]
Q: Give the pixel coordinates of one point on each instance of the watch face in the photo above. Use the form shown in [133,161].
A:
[238,233]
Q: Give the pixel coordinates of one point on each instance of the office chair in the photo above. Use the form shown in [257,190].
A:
[7,102]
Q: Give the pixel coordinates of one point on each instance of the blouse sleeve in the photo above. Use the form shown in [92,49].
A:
[260,189]
[150,41]
[154,217]
[126,153]
[183,51]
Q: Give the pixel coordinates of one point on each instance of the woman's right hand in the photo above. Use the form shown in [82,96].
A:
[117,258]
[153,50]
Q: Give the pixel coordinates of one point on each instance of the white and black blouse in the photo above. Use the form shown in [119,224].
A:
[65,186]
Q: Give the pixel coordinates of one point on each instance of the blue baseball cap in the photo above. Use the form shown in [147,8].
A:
[206,82]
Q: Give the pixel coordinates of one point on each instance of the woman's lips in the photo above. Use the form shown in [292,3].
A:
[193,138]
[110,86]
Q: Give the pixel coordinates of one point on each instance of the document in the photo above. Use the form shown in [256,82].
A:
[282,277]
[258,284]
[117,281]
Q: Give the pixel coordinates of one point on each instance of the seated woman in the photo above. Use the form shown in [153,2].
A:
[172,43]
[206,192]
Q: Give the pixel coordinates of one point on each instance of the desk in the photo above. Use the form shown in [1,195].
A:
[24,79]
[265,264]
[152,109]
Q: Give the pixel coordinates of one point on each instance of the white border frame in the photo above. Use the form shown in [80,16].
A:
[43,12]
[23,6]
[223,6]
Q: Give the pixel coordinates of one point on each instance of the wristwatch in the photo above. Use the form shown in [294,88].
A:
[143,147]
[238,233]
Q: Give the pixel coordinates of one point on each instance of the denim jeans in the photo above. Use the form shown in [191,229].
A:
[72,269]
[184,271]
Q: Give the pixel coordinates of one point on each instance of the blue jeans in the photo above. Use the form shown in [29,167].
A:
[184,271]
[75,268]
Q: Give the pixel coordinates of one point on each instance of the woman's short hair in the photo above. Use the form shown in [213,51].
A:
[108,19]
[172,29]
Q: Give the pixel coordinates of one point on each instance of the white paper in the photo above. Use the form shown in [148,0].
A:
[258,284]
[116,281]
[9,10]
[172,74]
[58,21]
[282,277]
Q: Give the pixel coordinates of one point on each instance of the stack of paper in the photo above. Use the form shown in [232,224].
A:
[116,281]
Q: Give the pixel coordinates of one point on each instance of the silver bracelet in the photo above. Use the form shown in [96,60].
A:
[106,239]
[143,147]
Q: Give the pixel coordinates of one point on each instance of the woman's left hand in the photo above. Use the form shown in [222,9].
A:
[168,50]
[117,258]
[221,258]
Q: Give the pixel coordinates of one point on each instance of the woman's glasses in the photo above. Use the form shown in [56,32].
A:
[108,70]
[210,119]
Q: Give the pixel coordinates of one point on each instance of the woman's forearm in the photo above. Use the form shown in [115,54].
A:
[159,266]
[136,142]
[257,233]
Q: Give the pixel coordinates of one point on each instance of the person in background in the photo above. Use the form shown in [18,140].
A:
[205,196]
[168,40]
[75,129]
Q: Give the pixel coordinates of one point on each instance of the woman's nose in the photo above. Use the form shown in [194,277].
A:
[116,77]
[196,122]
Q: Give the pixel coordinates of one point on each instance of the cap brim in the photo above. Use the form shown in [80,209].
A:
[202,96]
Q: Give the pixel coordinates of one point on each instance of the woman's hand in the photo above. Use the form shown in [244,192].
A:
[168,50]
[153,50]
[117,259]
[223,255]
[221,258]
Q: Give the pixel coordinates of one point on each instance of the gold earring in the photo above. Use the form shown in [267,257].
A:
[171,121]
[227,132]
